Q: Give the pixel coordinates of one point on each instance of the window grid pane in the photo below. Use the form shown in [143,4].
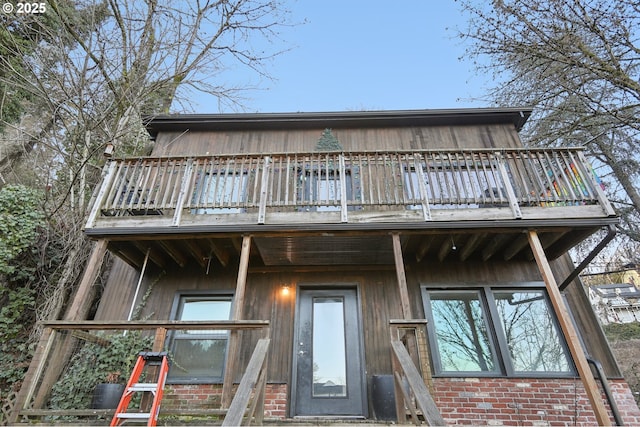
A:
[530,331]
[461,331]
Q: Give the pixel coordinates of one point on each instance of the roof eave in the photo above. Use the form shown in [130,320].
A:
[348,119]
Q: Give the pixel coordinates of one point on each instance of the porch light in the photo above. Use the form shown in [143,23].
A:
[285,290]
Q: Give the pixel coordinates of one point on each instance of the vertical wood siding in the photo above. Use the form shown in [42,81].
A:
[269,141]
[377,290]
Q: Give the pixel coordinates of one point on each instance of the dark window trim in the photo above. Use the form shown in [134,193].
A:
[499,343]
[170,336]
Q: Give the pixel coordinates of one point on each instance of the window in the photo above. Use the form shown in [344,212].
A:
[199,355]
[220,192]
[323,189]
[494,331]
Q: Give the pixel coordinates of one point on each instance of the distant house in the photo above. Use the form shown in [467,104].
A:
[616,303]
[290,279]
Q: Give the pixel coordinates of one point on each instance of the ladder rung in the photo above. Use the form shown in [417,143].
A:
[134,415]
[143,387]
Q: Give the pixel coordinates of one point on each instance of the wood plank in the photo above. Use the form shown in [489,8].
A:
[82,299]
[401,276]
[471,245]
[424,400]
[176,255]
[155,324]
[233,346]
[36,367]
[566,324]
[247,384]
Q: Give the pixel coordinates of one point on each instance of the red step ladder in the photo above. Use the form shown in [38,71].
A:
[133,386]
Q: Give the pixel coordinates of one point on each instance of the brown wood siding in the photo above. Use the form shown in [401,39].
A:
[378,295]
[304,140]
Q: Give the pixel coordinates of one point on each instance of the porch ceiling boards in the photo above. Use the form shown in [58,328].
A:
[345,248]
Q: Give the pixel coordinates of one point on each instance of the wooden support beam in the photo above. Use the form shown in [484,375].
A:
[222,255]
[573,341]
[233,348]
[402,278]
[176,255]
[446,247]
[518,244]
[197,252]
[83,298]
[423,248]
[471,245]
[154,255]
[493,246]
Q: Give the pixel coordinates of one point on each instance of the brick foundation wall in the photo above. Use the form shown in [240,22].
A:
[468,401]
[525,402]
[208,396]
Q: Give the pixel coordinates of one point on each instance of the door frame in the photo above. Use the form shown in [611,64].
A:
[313,286]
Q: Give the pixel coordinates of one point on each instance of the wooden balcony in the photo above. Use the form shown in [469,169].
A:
[345,188]
[333,207]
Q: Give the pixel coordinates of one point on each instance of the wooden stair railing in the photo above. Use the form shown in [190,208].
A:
[417,393]
[253,382]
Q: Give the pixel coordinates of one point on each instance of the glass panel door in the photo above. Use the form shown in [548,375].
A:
[328,368]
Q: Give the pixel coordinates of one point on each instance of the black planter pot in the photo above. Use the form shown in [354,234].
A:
[107,396]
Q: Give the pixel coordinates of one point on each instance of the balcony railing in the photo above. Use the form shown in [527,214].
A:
[345,186]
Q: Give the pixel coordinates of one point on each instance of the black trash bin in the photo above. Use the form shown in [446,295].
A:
[383,398]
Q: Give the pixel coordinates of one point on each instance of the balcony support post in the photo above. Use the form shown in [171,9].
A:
[511,195]
[264,184]
[402,278]
[569,331]
[236,314]
[184,186]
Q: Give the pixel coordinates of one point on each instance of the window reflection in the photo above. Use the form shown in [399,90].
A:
[200,354]
[498,330]
[531,333]
[461,332]
[329,356]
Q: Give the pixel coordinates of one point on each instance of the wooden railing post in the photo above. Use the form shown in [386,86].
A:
[602,198]
[264,190]
[184,188]
[107,179]
[511,195]
[343,189]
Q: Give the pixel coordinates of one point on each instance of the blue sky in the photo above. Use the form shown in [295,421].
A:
[369,55]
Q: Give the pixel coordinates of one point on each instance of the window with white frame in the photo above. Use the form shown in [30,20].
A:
[494,331]
[199,355]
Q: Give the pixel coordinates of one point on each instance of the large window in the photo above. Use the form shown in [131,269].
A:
[494,331]
[199,355]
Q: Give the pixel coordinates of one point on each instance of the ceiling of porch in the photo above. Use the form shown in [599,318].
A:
[344,248]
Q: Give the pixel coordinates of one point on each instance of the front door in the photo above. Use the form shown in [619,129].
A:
[328,369]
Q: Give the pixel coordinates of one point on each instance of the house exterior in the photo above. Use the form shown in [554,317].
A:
[320,264]
[616,303]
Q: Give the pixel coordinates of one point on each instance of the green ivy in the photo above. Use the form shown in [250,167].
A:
[20,221]
[94,364]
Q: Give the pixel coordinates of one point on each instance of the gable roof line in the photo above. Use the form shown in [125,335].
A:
[386,118]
